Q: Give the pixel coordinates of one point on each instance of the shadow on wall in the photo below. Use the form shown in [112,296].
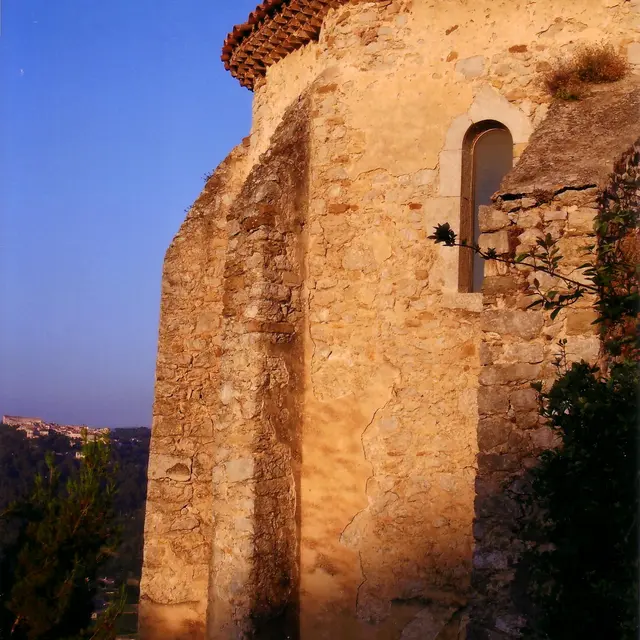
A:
[417,618]
[499,580]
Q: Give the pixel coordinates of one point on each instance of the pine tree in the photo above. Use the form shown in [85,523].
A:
[65,533]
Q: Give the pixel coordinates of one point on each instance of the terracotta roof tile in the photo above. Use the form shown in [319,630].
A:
[272,31]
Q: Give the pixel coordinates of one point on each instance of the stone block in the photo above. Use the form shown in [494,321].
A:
[555,229]
[551,215]
[511,625]
[239,470]
[424,177]
[186,523]
[498,241]
[471,67]
[491,462]
[493,400]
[492,432]
[529,239]
[165,492]
[450,173]
[580,222]
[580,322]
[499,285]
[586,349]
[491,219]
[524,324]
[524,400]
[544,438]
[456,132]
[496,560]
[487,353]
[532,352]
[430,622]
[488,485]
[528,219]
[338,208]
[509,373]
[572,197]
[525,420]
[480,529]
[168,466]
[510,205]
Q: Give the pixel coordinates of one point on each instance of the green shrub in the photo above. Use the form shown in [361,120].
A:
[584,577]
[66,531]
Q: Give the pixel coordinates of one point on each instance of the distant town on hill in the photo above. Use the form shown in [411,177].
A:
[38,428]
[23,445]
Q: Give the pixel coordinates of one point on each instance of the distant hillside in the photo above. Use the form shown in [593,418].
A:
[23,444]
[37,428]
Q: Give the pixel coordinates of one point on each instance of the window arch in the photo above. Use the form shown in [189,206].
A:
[487,156]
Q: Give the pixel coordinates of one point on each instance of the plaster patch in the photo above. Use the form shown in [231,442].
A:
[471,67]
[450,173]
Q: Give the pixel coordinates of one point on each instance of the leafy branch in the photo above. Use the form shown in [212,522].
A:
[608,276]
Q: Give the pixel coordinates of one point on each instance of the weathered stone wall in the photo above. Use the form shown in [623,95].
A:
[393,349]
[317,389]
[554,190]
[227,416]
[389,439]
[256,473]
[518,347]
[179,519]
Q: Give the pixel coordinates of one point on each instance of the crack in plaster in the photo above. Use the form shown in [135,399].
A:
[364,580]
[373,473]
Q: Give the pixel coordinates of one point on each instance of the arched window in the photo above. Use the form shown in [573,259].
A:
[487,156]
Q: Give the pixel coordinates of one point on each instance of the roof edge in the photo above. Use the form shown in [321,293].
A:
[273,30]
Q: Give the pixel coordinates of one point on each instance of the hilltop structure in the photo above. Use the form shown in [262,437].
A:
[37,428]
[339,402]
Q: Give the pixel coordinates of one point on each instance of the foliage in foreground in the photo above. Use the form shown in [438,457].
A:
[584,577]
[64,532]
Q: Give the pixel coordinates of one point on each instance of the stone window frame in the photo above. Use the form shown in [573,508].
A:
[467,200]
[488,104]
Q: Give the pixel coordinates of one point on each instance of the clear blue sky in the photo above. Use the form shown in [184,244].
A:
[110,114]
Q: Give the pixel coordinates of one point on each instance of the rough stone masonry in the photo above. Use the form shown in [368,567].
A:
[337,428]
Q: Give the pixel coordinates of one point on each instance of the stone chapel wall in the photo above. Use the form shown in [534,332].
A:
[254,579]
[179,515]
[318,371]
[393,348]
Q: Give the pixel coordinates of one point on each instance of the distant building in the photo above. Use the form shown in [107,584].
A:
[19,421]
[36,427]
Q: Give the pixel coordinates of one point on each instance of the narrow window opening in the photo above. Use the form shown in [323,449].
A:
[487,156]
